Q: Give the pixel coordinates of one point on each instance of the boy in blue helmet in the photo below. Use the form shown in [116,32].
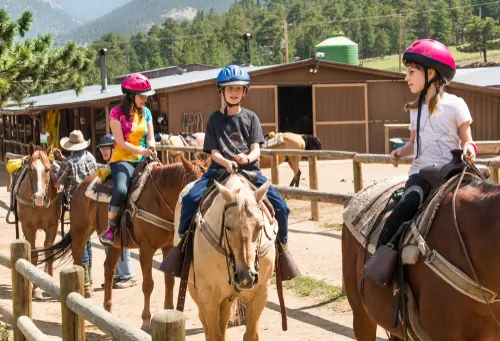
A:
[233,137]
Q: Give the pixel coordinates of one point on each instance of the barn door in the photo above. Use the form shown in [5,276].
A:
[263,100]
[340,116]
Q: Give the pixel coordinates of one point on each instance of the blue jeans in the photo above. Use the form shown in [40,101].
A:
[123,269]
[87,253]
[122,172]
[191,200]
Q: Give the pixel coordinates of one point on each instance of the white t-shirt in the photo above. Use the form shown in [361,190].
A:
[438,133]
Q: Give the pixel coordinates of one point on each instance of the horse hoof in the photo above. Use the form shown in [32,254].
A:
[37,294]
[146,325]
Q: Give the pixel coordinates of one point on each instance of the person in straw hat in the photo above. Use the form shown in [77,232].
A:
[74,169]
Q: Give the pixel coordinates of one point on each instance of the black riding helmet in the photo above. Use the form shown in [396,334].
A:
[107,140]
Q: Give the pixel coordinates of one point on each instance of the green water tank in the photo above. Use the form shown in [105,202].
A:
[338,48]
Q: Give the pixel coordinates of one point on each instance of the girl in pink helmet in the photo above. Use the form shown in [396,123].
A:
[132,129]
[439,123]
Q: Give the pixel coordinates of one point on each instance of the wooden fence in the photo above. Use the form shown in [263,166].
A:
[167,325]
[315,196]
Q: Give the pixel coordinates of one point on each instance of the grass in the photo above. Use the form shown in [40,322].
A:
[306,286]
[4,333]
[391,63]
[335,226]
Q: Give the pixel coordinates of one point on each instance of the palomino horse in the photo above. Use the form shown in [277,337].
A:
[158,198]
[38,202]
[241,262]
[466,232]
[292,141]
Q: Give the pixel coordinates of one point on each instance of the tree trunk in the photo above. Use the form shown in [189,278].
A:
[484,56]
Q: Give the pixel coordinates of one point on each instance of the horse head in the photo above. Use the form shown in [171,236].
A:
[40,173]
[243,223]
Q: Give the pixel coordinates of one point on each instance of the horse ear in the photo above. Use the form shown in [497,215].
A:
[48,151]
[226,193]
[31,148]
[187,165]
[261,192]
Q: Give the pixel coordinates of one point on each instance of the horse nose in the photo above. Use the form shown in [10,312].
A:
[39,199]
[246,279]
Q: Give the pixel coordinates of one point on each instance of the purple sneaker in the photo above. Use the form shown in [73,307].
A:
[107,238]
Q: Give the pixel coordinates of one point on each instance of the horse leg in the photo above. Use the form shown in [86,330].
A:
[109,272]
[293,162]
[30,235]
[146,254]
[169,283]
[225,315]
[254,310]
[50,237]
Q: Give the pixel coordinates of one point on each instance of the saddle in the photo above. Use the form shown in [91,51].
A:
[189,139]
[273,140]
[436,175]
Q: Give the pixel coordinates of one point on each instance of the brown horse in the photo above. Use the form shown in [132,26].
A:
[445,313]
[241,265]
[292,141]
[38,202]
[158,197]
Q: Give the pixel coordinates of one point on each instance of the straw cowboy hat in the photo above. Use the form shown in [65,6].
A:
[75,141]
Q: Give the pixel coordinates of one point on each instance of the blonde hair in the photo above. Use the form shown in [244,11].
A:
[439,83]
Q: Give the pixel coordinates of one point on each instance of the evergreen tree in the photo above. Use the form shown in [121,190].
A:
[31,67]
[480,34]
[441,25]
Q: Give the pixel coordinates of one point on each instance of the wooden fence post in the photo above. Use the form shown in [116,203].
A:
[275,172]
[21,286]
[358,176]
[314,184]
[73,325]
[168,325]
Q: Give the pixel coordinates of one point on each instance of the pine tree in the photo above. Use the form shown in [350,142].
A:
[441,25]
[31,67]
[480,33]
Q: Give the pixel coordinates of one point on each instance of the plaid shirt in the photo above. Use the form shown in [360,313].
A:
[74,169]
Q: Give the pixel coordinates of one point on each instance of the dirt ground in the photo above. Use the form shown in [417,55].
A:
[315,247]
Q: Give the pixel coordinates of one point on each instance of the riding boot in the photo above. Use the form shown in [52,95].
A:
[87,286]
[287,266]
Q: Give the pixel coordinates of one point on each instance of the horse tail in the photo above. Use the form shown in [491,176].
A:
[312,142]
[56,252]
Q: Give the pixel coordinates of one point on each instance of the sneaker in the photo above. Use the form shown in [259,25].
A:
[107,238]
[125,283]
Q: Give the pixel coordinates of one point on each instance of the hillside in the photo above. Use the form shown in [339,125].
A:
[90,9]
[49,16]
[139,16]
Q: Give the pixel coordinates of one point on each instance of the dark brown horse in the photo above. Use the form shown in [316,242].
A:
[38,202]
[158,198]
[445,313]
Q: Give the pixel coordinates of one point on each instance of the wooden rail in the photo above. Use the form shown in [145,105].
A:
[166,325]
[485,147]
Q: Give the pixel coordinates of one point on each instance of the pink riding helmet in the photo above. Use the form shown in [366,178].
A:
[433,55]
[137,84]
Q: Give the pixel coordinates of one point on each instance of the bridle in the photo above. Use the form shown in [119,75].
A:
[47,201]
[228,251]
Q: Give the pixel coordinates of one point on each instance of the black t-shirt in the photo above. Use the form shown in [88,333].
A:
[232,135]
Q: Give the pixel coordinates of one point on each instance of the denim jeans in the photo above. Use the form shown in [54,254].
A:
[123,268]
[87,253]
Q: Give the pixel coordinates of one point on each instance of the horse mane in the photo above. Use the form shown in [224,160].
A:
[244,197]
[174,174]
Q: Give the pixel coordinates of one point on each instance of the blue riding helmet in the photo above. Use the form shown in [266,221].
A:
[232,75]
[107,140]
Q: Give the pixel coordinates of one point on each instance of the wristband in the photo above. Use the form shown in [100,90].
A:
[471,144]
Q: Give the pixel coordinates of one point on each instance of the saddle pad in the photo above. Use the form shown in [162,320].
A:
[364,209]
[274,141]
[99,191]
